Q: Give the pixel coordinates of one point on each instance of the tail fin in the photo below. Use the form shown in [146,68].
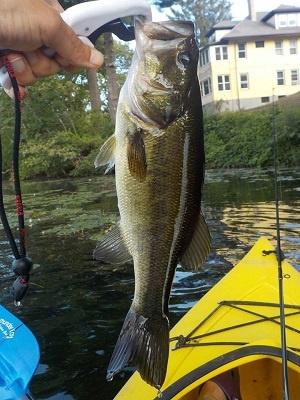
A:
[144,343]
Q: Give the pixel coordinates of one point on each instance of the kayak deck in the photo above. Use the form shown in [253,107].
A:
[236,324]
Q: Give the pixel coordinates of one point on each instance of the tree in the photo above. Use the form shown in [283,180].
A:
[91,74]
[111,74]
[204,13]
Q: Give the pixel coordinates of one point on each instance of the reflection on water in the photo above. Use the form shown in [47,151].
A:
[78,308]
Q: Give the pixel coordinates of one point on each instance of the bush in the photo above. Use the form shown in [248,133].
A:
[245,139]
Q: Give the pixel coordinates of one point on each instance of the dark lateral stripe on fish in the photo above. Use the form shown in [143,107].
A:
[144,342]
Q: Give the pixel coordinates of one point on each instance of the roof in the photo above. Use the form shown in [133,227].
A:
[281,10]
[259,28]
[248,28]
[222,26]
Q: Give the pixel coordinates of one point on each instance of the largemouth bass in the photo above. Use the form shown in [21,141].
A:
[158,153]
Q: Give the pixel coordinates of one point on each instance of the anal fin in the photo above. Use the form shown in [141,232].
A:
[112,249]
[199,246]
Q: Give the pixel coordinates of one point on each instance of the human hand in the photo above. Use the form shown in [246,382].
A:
[27,25]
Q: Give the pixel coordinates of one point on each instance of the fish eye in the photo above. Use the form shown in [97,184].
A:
[185,57]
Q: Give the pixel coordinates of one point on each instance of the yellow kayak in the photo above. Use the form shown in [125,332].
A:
[235,326]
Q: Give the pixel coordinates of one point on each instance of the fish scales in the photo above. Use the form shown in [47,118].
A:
[156,205]
[158,153]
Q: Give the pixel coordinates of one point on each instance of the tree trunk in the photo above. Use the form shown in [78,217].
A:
[111,75]
[94,91]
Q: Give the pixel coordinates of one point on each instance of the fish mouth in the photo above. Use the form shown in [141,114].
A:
[167,30]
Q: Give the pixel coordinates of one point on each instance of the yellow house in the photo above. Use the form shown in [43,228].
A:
[248,63]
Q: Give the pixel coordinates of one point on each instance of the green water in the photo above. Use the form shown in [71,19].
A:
[78,308]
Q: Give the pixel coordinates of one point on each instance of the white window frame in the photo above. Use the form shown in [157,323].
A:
[282,20]
[221,53]
[224,83]
[280,78]
[244,83]
[279,47]
[204,57]
[293,46]
[205,84]
[292,20]
[289,20]
[294,76]
[242,51]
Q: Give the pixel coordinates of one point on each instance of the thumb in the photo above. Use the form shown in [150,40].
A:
[69,47]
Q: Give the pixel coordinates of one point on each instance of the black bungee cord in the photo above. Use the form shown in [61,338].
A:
[22,264]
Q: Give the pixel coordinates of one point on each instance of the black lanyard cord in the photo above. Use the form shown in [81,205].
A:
[22,264]
[3,216]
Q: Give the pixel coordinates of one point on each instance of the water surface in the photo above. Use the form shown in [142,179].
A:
[79,305]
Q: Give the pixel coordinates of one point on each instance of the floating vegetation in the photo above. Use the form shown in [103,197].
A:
[64,212]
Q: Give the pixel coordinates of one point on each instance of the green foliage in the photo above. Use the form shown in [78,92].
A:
[50,158]
[6,129]
[58,128]
[245,139]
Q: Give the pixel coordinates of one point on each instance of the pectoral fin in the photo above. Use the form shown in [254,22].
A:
[106,155]
[198,248]
[112,249]
[136,155]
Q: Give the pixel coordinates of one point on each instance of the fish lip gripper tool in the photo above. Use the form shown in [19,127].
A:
[91,19]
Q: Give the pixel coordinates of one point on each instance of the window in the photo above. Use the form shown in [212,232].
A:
[294,76]
[282,19]
[242,50]
[204,58]
[265,99]
[223,82]
[221,53]
[288,20]
[205,87]
[293,46]
[280,78]
[292,19]
[244,84]
[278,48]
[260,43]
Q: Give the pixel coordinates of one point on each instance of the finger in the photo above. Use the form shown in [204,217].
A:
[70,47]
[41,65]
[55,4]
[61,61]
[70,68]
[22,69]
